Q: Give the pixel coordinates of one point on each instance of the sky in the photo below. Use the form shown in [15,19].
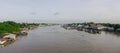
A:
[60,11]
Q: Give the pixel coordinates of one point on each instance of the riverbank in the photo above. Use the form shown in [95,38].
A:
[13,27]
[9,30]
[92,27]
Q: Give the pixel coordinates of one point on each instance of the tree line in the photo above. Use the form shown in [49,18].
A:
[10,26]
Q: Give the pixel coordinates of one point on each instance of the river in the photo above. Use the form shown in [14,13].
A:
[55,39]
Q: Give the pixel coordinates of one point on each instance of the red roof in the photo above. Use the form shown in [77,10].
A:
[4,34]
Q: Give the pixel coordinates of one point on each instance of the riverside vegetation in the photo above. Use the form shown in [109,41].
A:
[10,26]
[10,31]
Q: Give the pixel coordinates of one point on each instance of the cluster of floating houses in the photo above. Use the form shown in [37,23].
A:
[11,37]
[92,28]
[6,38]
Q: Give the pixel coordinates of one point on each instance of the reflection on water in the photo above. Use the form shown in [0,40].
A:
[91,31]
[9,42]
[113,33]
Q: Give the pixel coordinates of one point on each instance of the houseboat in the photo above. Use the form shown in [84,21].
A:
[2,41]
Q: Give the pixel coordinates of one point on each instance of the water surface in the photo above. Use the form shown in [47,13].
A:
[54,39]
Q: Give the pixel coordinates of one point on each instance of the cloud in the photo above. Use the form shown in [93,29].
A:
[33,13]
[56,13]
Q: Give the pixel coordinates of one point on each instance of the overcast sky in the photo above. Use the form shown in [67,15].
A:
[60,11]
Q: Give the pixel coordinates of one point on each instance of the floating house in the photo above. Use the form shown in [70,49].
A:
[10,36]
[110,29]
[118,29]
[2,41]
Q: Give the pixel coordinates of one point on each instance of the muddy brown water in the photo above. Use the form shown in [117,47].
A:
[54,39]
